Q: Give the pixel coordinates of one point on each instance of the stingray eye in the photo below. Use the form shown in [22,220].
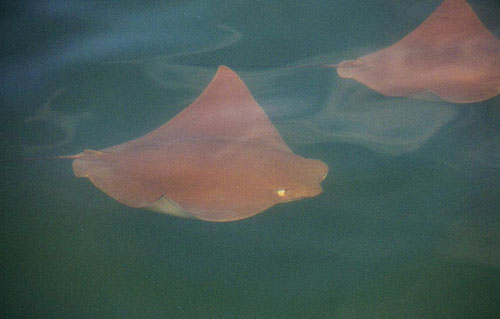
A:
[281,192]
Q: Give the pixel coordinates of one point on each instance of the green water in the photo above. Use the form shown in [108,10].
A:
[407,225]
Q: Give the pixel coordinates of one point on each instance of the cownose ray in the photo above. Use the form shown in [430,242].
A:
[451,55]
[220,159]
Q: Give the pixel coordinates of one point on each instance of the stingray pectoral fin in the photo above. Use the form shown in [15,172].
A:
[119,185]
[167,206]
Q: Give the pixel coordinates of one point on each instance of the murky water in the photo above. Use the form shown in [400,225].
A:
[407,225]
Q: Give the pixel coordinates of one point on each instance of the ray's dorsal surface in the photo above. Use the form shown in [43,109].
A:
[451,55]
[220,159]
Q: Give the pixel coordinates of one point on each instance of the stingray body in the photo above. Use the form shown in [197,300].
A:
[451,55]
[220,159]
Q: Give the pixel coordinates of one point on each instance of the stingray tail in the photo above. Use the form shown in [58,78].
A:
[25,159]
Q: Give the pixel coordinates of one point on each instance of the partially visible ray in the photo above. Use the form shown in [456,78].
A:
[451,55]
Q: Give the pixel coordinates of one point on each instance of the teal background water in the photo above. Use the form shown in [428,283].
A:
[408,223]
